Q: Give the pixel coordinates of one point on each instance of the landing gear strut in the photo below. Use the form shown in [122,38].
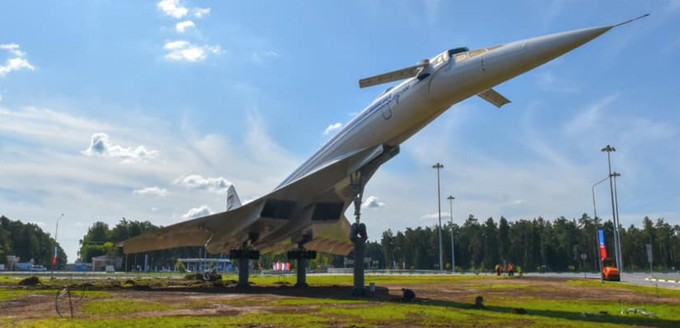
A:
[358,236]
[243,256]
[301,255]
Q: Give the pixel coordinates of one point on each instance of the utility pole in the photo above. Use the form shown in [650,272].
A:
[453,248]
[617,242]
[616,206]
[439,166]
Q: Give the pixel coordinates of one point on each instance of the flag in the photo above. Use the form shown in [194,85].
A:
[54,259]
[603,247]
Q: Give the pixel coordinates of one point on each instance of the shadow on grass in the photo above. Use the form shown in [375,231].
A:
[613,318]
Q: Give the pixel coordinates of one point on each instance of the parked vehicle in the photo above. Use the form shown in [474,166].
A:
[609,270]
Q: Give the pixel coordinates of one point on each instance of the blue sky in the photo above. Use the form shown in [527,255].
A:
[148,110]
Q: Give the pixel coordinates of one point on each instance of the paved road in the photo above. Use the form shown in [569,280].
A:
[664,280]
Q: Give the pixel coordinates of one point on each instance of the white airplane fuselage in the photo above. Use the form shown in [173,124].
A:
[403,110]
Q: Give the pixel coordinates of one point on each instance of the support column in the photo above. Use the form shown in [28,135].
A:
[358,236]
[301,256]
[243,257]
[243,272]
[359,239]
[301,272]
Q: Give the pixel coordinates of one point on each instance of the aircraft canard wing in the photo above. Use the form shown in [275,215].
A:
[392,76]
[314,202]
[494,97]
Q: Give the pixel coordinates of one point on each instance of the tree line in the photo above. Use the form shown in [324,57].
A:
[535,244]
[28,242]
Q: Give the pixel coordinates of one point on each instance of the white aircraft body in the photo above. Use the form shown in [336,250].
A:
[307,208]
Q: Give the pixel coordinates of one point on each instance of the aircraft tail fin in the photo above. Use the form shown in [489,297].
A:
[233,202]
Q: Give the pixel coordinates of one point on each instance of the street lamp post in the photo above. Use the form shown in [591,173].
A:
[453,248]
[56,231]
[597,236]
[616,206]
[439,166]
[617,251]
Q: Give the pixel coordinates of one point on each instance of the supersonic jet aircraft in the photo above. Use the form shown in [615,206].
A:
[307,209]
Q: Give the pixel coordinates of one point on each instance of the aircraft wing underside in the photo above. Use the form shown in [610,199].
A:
[309,209]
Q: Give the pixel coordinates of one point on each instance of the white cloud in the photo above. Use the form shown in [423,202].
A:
[200,12]
[198,182]
[197,212]
[183,25]
[260,57]
[100,146]
[45,125]
[372,202]
[172,8]
[44,145]
[434,217]
[17,60]
[153,191]
[332,128]
[182,50]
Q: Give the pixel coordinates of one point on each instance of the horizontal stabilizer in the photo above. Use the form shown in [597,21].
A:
[397,75]
[494,97]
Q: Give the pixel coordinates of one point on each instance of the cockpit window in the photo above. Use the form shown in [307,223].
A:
[457,50]
[469,54]
[440,59]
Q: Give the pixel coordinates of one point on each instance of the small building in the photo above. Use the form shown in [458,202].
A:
[349,262]
[12,262]
[105,263]
[204,264]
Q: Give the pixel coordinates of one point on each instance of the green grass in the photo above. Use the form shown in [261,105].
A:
[346,280]
[375,313]
[11,294]
[291,311]
[303,301]
[368,314]
[9,280]
[661,292]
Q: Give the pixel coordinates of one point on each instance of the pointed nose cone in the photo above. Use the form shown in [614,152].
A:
[545,48]
[518,57]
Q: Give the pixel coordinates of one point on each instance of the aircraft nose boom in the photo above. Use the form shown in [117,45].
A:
[545,48]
